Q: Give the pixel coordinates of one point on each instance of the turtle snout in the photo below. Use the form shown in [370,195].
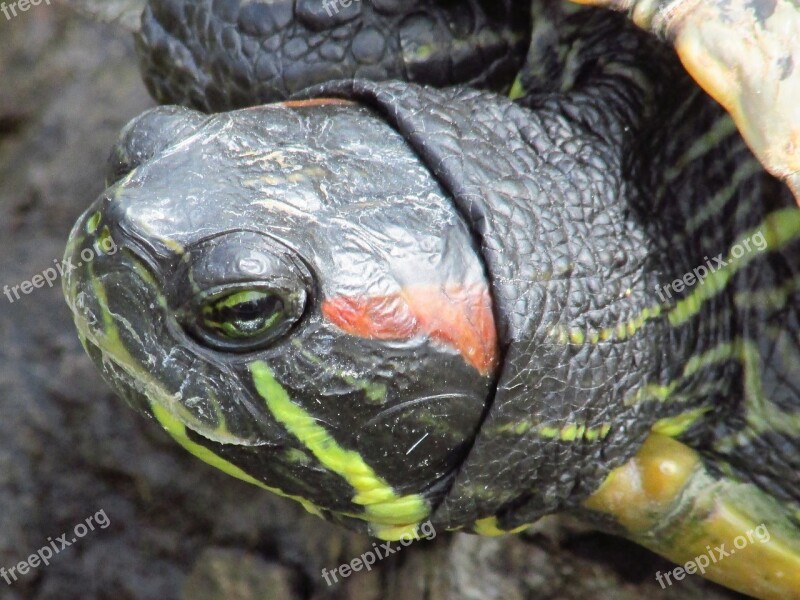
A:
[109,290]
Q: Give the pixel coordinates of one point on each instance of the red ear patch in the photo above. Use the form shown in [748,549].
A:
[457,316]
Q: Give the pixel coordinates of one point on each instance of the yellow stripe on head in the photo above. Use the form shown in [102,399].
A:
[382,505]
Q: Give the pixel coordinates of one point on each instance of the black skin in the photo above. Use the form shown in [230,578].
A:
[215,55]
[576,220]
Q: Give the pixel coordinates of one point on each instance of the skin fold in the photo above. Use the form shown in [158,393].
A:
[396,302]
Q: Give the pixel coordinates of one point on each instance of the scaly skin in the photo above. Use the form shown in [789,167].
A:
[223,55]
[474,327]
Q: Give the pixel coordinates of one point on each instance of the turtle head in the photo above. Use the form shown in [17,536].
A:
[290,293]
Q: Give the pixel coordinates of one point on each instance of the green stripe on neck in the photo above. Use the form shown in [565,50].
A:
[382,506]
[778,228]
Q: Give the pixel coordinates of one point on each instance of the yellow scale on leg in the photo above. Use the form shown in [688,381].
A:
[667,501]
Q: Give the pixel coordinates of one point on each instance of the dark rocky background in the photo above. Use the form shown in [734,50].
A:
[68,448]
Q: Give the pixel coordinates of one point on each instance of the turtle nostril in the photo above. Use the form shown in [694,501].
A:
[93,222]
[104,243]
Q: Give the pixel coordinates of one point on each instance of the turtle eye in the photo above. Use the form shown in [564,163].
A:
[243,320]
[244,314]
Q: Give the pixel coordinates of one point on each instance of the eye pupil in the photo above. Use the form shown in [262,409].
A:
[251,310]
[244,314]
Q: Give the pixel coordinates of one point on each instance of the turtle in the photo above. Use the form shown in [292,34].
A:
[459,264]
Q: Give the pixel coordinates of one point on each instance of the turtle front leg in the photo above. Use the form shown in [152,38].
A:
[745,54]
[732,533]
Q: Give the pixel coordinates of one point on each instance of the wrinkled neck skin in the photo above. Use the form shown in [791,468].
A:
[568,261]
[580,226]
